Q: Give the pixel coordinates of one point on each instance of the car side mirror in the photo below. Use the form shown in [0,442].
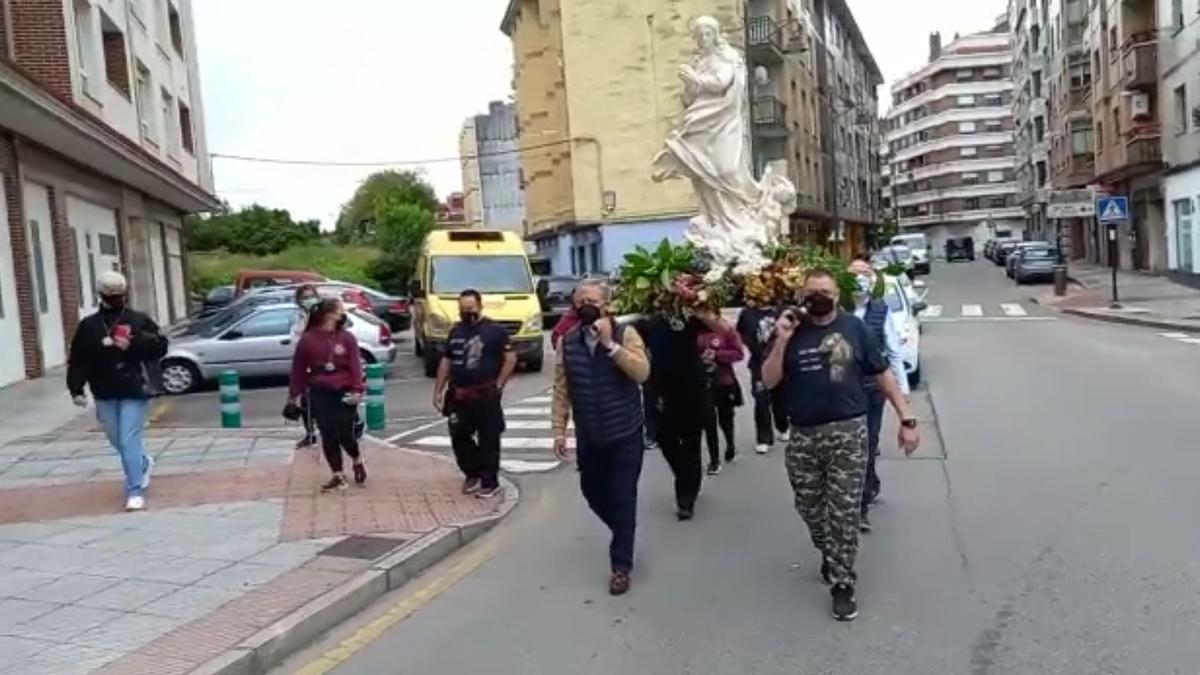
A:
[232,335]
[415,290]
[543,289]
[919,306]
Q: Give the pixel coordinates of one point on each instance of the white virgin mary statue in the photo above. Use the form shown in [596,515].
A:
[710,146]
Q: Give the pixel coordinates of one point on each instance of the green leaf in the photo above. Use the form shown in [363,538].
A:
[641,284]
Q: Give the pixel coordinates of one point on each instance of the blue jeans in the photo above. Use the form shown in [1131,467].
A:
[123,421]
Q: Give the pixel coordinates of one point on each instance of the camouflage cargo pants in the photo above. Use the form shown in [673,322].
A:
[825,465]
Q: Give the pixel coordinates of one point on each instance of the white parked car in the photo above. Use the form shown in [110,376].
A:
[257,341]
[921,251]
[905,317]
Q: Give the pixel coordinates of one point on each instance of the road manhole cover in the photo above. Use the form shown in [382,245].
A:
[361,547]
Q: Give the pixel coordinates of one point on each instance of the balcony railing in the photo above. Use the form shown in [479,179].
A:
[770,116]
[1079,100]
[766,39]
[1139,62]
[1143,144]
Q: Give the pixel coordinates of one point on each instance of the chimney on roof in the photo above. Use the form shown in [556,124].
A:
[935,46]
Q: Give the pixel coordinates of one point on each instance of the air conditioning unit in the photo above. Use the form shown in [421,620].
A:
[1139,106]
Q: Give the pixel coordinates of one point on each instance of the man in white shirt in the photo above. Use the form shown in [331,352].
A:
[877,315]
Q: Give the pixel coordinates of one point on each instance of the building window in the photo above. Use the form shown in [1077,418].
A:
[970,178]
[966,127]
[1116,125]
[1039,129]
[992,73]
[1181,110]
[971,204]
[997,202]
[1114,48]
[970,151]
[993,126]
[1041,174]
[1081,141]
[993,100]
[176,28]
[143,97]
[1177,15]
[1184,252]
[86,48]
[186,131]
[170,119]
[1100,137]
[965,102]
[995,176]
[39,266]
[116,58]
[964,74]
[1037,85]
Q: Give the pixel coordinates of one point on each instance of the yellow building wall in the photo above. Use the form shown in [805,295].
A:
[544,129]
[621,61]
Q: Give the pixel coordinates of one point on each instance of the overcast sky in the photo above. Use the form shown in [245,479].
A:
[389,80]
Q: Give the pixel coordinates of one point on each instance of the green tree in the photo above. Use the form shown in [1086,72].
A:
[400,230]
[357,224]
[255,230]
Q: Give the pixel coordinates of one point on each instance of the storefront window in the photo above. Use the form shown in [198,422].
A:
[1183,235]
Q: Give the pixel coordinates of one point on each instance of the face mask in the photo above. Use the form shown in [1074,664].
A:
[113,301]
[309,303]
[818,305]
[469,317]
[588,314]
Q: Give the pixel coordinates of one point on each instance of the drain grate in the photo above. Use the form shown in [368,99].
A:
[361,547]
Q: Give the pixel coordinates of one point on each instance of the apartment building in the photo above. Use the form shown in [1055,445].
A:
[951,137]
[1123,36]
[1179,65]
[491,162]
[1027,21]
[887,198]
[102,151]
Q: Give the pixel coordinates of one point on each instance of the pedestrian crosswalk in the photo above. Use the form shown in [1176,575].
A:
[528,441]
[1185,338]
[975,311]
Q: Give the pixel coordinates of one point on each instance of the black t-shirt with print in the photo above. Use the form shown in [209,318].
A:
[476,352]
[824,368]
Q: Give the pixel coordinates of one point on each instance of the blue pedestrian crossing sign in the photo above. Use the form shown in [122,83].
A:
[1112,209]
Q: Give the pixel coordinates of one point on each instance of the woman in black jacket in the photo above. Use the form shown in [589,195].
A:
[113,354]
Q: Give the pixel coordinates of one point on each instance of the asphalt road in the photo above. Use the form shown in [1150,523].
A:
[1048,526]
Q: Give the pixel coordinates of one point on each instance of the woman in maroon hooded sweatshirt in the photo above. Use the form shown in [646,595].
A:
[719,351]
[327,363]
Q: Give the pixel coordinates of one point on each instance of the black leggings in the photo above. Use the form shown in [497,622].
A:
[335,419]
[718,413]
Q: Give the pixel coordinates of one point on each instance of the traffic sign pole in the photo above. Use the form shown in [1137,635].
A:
[1114,255]
[1111,212]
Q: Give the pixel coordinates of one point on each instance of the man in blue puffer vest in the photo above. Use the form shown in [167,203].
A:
[597,379]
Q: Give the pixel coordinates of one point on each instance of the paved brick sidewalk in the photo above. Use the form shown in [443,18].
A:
[236,537]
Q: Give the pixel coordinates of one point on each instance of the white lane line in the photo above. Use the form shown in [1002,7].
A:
[506,442]
[972,310]
[528,412]
[932,312]
[1013,309]
[538,400]
[1191,341]
[1175,336]
[414,430]
[520,466]
[532,425]
[994,319]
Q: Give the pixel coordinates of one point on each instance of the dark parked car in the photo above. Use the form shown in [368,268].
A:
[557,300]
[1034,264]
[961,248]
[395,310]
[216,299]
[1000,253]
[1011,261]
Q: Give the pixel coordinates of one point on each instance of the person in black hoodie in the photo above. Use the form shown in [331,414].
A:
[756,325]
[677,380]
[113,354]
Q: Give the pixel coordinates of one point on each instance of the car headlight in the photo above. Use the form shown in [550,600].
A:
[533,324]
[439,323]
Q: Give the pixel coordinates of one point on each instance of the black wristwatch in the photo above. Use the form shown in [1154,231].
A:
[910,423]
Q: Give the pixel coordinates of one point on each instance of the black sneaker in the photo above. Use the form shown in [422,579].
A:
[360,474]
[306,442]
[685,513]
[730,455]
[470,486]
[488,492]
[864,522]
[826,572]
[845,605]
[336,483]
[714,468]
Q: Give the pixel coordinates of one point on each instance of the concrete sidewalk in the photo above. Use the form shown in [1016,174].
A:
[1146,299]
[238,559]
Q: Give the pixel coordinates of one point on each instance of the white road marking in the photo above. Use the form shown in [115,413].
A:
[932,312]
[519,466]
[538,400]
[972,310]
[1175,336]
[414,430]
[533,425]
[1191,341]
[506,442]
[527,412]
[1013,309]
[994,319]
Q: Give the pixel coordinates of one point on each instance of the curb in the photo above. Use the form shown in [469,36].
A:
[268,648]
[1132,320]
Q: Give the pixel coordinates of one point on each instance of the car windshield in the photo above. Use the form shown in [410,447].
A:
[453,274]
[222,320]
[909,241]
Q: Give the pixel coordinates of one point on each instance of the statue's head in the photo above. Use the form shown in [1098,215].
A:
[707,33]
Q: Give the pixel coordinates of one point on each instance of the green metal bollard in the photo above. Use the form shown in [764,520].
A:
[231,400]
[376,411]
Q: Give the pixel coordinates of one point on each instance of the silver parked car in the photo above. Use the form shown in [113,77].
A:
[258,341]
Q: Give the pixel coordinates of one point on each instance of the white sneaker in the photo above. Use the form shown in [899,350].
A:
[784,437]
[146,471]
[762,448]
[135,504]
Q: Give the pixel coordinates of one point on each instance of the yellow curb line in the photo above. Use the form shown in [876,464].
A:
[399,612]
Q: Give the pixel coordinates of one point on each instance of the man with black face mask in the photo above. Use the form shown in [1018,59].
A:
[821,359]
[478,363]
[597,374]
[115,354]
